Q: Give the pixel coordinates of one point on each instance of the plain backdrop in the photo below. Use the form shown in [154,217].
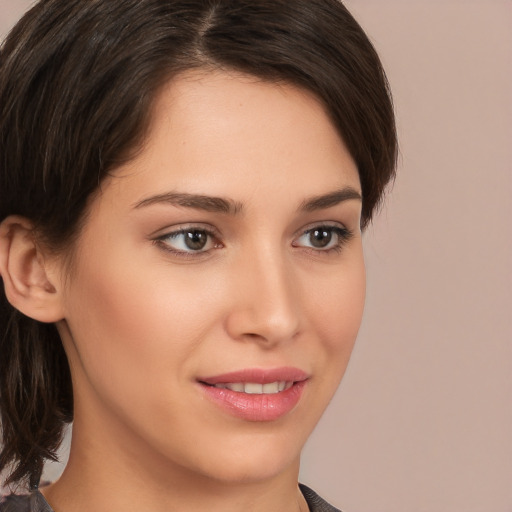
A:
[423,419]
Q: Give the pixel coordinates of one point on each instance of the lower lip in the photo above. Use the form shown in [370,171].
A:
[253,407]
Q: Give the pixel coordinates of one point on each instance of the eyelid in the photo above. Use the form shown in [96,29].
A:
[321,224]
[177,230]
[343,233]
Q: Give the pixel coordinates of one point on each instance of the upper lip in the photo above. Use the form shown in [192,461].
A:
[258,375]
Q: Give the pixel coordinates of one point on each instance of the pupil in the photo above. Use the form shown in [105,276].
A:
[320,237]
[195,240]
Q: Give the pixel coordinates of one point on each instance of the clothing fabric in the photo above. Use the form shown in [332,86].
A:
[35,502]
[315,502]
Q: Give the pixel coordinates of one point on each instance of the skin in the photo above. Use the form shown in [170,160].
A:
[141,323]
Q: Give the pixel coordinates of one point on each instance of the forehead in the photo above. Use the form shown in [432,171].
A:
[236,136]
[216,121]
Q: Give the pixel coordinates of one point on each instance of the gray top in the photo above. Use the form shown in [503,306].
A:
[35,502]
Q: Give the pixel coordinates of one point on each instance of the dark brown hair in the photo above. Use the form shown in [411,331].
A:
[77,82]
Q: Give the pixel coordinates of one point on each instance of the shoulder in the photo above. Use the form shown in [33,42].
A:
[15,503]
[315,502]
[33,502]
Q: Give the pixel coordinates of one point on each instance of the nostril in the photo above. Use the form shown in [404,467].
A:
[251,336]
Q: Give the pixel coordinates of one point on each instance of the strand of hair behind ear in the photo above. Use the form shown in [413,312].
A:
[33,410]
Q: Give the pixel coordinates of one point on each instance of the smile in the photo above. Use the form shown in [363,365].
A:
[256,395]
[254,388]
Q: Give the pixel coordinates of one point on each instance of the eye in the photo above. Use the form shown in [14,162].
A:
[188,241]
[323,238]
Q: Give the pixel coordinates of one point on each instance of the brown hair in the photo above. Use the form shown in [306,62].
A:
[77,81]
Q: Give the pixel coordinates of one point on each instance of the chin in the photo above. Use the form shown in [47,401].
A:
[249,470]
[248,459]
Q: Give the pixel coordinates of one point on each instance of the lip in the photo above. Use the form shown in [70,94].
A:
[258,375]
[256,407]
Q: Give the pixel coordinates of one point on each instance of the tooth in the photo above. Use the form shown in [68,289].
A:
[271,388]
[253,388]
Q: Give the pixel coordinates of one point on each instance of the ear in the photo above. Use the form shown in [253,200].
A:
[28,281]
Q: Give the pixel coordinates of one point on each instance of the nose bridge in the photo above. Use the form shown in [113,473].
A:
[267,306]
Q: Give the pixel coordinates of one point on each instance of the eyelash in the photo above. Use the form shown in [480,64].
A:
[162,241]
[343,236]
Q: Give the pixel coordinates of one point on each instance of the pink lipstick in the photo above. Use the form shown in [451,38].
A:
[256,394]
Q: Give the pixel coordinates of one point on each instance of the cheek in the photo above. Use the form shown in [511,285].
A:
[133,338]
[337,314]
[127,316]
[339,308]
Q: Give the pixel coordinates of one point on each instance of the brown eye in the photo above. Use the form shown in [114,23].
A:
[320,238]
[195,240]
[188,241]
[323,238]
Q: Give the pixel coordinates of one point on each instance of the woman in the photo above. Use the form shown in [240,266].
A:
[184,185]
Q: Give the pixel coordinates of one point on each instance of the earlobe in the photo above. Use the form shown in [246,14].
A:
[27,284]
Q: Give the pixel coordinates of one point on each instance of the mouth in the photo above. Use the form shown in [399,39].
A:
[256,394]
[254,388]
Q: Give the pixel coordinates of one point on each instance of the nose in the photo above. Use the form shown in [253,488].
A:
[266,302]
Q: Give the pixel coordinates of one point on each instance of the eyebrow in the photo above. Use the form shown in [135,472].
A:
[228,206]
[329,200]
[196,201]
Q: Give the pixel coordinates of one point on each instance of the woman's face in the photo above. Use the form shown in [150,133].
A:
[221,265]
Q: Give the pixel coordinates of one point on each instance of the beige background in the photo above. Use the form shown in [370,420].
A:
[423,421]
